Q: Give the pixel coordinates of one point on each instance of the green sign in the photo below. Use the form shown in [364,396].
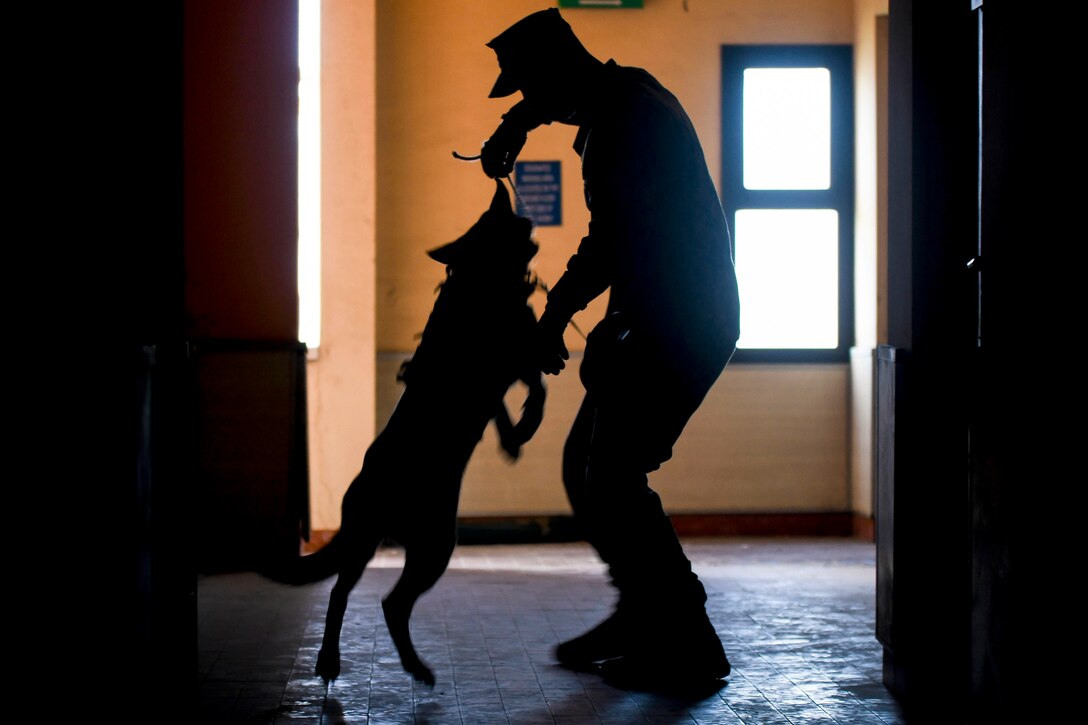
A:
[600,3]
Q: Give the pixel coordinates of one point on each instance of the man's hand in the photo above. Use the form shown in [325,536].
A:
[551,351]
[501,150]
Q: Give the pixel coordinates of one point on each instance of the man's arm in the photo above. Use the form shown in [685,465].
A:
[501,150]
[587,276]
[590,270]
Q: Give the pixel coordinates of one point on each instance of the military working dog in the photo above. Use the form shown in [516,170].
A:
[476,345]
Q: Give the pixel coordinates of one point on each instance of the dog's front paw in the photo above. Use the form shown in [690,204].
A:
[328,664]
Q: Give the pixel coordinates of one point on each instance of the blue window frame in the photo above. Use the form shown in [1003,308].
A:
[788,192]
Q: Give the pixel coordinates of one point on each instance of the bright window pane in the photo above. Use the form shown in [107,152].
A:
[788,271]
[787,128]
[309,173]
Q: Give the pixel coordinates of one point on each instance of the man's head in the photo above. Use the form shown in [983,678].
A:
[540,56]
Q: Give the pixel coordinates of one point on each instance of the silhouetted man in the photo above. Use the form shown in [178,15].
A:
[659,241]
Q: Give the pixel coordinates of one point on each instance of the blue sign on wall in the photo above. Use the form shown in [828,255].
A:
[539,192]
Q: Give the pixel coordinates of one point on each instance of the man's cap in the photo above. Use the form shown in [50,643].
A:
[531,42]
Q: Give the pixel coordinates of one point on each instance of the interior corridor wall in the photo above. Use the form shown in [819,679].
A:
[870,237]
[769,438]
[341,380]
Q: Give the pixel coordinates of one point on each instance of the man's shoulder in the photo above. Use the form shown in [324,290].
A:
[632,77]
[634,90]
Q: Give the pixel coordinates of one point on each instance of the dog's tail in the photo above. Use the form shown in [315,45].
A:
[315,567]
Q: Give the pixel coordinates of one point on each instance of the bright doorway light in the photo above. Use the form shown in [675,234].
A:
[309,173]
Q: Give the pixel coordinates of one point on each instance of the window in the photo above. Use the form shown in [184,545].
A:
[788,191]
[309,174]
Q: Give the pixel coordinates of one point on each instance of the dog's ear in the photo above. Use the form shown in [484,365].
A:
[458,250]
[447,254]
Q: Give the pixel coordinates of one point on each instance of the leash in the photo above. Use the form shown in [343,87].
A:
[508,178]
[536,281]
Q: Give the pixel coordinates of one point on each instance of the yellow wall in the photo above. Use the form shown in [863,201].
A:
[340,382]
[768,438]
[434,74]
[869,209]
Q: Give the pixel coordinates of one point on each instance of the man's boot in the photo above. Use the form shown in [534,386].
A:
[676,656]
[611,638]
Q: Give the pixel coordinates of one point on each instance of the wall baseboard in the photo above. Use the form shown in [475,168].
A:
[553,529]
[864,528]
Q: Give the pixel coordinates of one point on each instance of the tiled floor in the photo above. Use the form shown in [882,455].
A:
[796,618]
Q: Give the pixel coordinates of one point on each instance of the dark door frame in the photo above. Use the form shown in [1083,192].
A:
[974,200]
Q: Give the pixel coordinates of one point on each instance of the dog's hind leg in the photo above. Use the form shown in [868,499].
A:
[423,565]
[355,558]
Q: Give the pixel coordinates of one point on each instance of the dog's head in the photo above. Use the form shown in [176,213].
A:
[500,241]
